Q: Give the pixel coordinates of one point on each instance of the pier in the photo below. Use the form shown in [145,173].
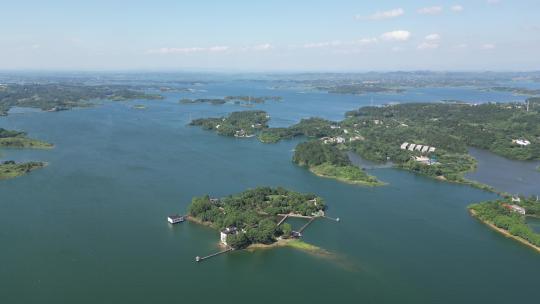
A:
[305,225]
[283,219]
[200,259]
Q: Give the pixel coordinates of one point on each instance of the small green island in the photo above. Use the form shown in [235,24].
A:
[19,140]
[508,216]
[256,217]
[241,99]
[61,96]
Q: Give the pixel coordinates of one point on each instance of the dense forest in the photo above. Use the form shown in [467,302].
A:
[57,97]
[378,133]
[499,214]
[239,124]
[329,161]
[255,213]
[453,127]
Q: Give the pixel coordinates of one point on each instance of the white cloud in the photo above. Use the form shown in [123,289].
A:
[189,50]
[322,44]
[461,46]
[457,8]
[433,37]
[488,46]
[393,13]
[432,10]
[399,35]
[261,47]
[427,46]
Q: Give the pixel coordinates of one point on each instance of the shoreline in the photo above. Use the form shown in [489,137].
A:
[347,181]
[505,232]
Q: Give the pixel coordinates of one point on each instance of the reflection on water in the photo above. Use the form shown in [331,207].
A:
[534,223]
[513,176]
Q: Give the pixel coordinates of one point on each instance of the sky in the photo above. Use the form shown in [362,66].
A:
[277,35]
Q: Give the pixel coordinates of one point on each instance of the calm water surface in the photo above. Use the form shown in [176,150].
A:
[91,228]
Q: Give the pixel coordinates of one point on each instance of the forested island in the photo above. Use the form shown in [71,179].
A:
[238,124]
[241,99]
[59,97]
[360,88]
[251,217]
[508,216]
[18,139]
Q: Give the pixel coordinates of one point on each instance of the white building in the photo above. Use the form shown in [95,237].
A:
[418,148]
[225,232]
[174,219]
[411,147]
[425,149]
[404,145]
[340,140]
[518,209]
[521,142]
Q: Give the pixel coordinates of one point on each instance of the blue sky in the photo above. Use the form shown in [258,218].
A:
[270,35]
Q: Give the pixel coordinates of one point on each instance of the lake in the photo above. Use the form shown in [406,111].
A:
[91,227]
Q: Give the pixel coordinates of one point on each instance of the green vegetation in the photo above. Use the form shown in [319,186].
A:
[214,101]
[328,161]
[59,97]
[254,213]
[518,91]
[499,214]
[453,127]
[377,134]
[360,88]
[238,124]
[242,99]
[17,139]
[10,169]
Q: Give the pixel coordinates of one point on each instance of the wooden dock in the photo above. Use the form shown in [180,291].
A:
[305,225]
[283,219]
[200,259]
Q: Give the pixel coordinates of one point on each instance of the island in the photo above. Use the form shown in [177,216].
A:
[241,99]
[64,96]
[256,217]
[18,139]
[508,216]
[11,169]
[237,124]
[361,88]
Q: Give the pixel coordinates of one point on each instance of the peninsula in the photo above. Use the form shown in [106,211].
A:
[320,158]
[508,216]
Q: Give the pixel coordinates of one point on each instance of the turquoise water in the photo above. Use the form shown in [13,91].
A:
[91,227]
